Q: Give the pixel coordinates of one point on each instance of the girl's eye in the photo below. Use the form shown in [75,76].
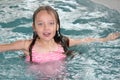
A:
[40,24]
[51,23]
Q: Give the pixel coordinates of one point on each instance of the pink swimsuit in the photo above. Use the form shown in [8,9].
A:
[47,57]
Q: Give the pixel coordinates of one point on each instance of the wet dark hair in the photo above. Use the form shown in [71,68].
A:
[59,38]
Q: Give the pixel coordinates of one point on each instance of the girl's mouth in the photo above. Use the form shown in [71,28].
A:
[46,34]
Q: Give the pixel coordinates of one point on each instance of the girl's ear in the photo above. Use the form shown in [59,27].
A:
[57,27]
[33,26]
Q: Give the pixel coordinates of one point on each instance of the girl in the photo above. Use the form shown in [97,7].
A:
[48,44]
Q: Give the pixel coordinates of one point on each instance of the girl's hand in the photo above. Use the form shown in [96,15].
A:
[112,36]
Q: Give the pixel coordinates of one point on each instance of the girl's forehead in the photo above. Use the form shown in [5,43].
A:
[44,14]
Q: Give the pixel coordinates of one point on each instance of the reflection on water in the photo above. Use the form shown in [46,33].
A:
[46,71]
[79,19]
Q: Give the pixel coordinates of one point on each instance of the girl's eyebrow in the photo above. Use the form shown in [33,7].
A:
[47,20]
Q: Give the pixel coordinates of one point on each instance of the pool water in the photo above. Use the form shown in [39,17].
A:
[79,19]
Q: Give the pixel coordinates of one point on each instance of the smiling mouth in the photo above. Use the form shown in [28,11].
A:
[46,34]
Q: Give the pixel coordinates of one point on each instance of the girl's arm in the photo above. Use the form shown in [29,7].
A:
[110,37]
[18,45]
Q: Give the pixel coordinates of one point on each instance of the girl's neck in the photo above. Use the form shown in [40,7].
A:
[47,46]
[49,43]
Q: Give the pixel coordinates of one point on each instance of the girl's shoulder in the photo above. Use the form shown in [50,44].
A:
[27,43]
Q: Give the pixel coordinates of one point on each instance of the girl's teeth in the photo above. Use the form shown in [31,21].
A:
[46,34]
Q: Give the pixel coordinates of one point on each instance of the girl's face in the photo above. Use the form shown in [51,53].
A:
[45,25]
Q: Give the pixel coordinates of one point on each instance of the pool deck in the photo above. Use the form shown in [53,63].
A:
[113,4]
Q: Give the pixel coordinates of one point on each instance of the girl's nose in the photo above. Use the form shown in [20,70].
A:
[46,27]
